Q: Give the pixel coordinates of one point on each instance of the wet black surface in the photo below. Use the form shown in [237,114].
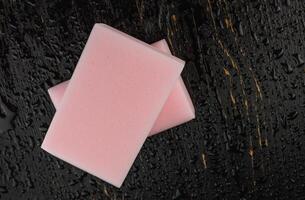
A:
[245,73]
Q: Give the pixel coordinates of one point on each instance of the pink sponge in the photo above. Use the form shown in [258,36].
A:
[114,97]
[178,108]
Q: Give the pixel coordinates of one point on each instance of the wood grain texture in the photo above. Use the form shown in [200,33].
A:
[245,73]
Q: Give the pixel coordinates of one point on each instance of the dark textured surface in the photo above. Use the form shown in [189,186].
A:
[245,73]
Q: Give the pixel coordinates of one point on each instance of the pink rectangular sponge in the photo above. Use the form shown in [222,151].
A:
[115,95]
[178,108]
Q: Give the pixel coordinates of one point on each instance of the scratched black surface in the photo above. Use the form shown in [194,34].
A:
[244,71]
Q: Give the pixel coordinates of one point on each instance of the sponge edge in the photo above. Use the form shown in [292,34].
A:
[122,83]
[178,108]
[57,92]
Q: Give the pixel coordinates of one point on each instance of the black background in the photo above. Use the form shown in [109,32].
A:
[244,71]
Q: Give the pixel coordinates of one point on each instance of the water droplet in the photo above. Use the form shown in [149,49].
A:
[6,117]
[292,115]
[3,189]
[287,67]
[240,29]
[278,53]
[177,194]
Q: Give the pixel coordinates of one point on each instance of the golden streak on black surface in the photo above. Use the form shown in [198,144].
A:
[226,72]
[246,104]
[232,98]
[106,191]
[226,52]
[140,7]
[174,21]
[266,142]
[251,154]
[258,89]
[204,161]
[258,130]
[228,20]
[241,82]
[229,25]
[170,30]
[169,38]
